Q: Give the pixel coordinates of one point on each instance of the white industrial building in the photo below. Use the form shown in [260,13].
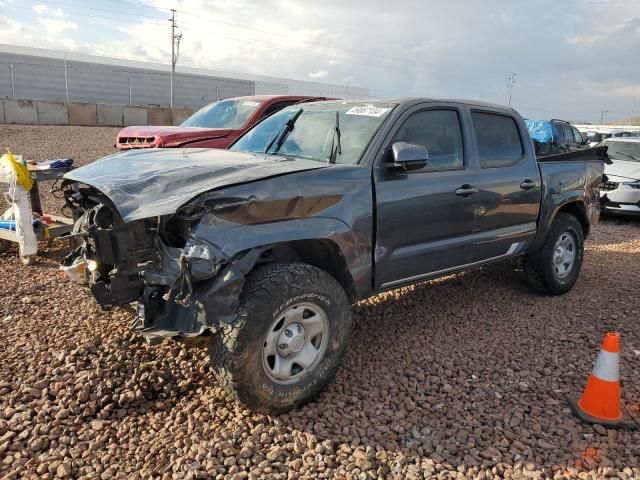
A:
[42,74]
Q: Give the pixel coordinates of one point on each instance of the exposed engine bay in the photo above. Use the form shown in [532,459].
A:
[154,262]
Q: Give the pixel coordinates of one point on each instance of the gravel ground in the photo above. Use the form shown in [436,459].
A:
[464,377]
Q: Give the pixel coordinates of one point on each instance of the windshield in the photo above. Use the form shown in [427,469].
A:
[336,131]
[628,151]
[223,114]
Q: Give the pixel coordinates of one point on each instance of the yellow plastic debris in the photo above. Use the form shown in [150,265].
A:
[23,176]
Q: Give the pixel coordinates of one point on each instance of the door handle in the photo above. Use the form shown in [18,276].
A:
[466,190]
[527,184]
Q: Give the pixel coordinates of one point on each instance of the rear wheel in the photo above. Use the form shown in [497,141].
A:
[287,338]
[555,267]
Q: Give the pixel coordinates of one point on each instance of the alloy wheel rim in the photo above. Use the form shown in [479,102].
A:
[295,342]
[564,255]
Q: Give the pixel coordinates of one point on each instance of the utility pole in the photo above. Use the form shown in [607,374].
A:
[602,116]
[633,106]
[511,80]
[175,49]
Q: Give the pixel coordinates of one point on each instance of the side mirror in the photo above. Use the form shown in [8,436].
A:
[407,156]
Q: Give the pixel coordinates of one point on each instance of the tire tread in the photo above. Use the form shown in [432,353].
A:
[536,265]
[226,350]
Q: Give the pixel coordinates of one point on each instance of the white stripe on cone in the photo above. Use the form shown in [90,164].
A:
[607,366]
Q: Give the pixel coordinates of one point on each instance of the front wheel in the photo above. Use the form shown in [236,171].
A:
[556,266]
[287,337]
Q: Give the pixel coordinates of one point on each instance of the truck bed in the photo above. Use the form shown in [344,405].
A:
[598,154]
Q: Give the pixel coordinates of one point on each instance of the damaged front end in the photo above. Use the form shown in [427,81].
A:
[182,286]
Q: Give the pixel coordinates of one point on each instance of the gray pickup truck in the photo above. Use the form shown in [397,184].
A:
[263,247]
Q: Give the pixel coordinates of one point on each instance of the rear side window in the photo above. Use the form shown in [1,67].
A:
[568,134]
[499,143]
[273,108]
[439,131]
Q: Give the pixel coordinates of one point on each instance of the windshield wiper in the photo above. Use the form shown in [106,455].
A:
[637,159]
[282,134]
[333,152]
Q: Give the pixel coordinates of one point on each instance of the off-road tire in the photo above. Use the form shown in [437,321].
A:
[538,265]
[236,351]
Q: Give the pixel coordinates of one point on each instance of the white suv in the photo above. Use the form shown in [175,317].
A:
[597,136]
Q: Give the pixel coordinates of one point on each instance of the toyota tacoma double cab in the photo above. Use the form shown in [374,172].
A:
[263,247]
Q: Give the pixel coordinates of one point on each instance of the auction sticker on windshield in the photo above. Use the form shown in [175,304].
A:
[367,110]
[249,103]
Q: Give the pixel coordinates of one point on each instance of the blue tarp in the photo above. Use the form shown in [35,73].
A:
[11,224]
[541,130]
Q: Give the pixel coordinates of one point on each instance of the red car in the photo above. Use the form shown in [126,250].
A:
[215,126]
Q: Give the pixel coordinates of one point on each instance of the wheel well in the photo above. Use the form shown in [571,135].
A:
[577,210]
[323,254]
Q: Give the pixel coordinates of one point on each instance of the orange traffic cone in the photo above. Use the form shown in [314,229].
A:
[600,401]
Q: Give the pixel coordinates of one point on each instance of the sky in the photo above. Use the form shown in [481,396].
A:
[572,59]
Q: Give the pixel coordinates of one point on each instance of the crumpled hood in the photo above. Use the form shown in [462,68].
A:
[173,136]
[151,182]
[628,171]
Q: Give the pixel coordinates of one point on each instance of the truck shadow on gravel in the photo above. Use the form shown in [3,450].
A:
[474,370]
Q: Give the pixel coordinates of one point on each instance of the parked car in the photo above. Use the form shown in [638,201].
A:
[621,191]
[261,248]
[554,136]
[594,137]
[217,125]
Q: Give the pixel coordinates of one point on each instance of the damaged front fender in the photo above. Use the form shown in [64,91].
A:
[192,312]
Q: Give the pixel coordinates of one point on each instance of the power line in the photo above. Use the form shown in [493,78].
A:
[92,16]
[349,59]
[84,7]
[200,15]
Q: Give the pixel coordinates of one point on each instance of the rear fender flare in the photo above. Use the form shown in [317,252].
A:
[562,201]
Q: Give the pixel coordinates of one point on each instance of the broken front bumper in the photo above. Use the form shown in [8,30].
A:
[187,304]
[177,292]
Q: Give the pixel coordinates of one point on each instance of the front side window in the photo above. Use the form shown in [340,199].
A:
[439,131]
[223,114]
[333,131]
[499,143]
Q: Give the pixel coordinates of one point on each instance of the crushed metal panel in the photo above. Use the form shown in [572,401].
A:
[153,182]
